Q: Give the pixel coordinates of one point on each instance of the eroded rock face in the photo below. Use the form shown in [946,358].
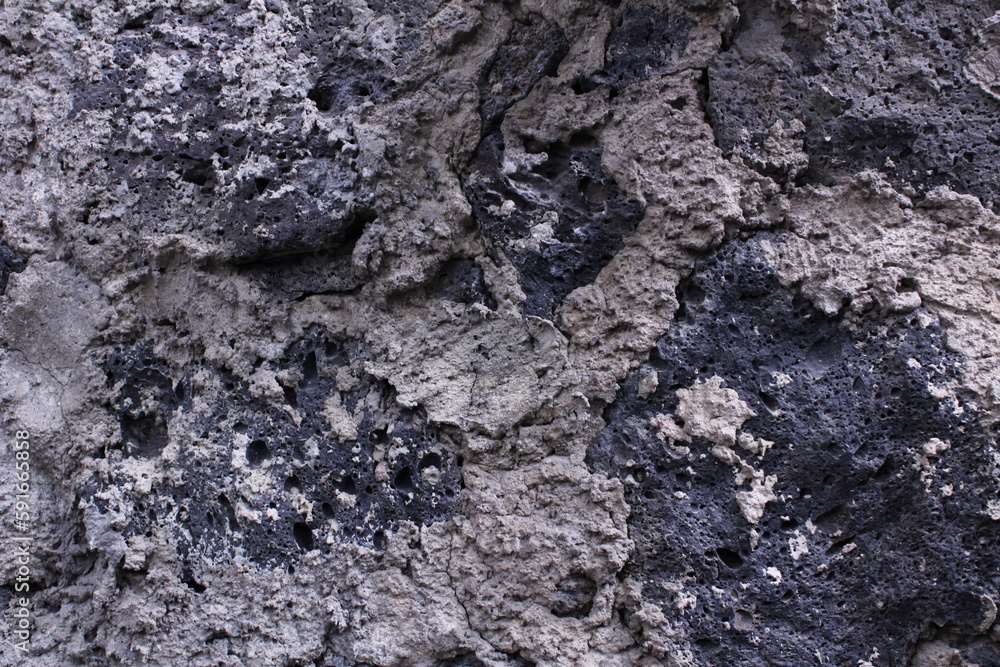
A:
[352,463]
[872,480]
[891,86]
[468,333]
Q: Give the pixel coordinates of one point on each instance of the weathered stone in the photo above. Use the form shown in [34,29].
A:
[450,332]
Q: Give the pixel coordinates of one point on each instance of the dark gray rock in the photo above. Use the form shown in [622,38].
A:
[200,511]
[10,262]
[589,216]
[888,560]
[321,205]
[643,41]
[884,89]
[534,49]
[350,80]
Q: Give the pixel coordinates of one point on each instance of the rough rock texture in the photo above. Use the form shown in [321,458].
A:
[452,332]
[869,501]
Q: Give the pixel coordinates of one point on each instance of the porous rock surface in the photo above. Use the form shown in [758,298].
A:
[455,332]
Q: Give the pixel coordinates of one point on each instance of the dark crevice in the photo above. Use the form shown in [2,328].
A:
[10,262]
[533,50]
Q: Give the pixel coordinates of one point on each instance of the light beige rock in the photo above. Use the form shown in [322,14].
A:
[863,246]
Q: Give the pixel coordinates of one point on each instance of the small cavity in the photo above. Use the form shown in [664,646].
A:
[303,535]
[730,558]
[404,481]
[257,453]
